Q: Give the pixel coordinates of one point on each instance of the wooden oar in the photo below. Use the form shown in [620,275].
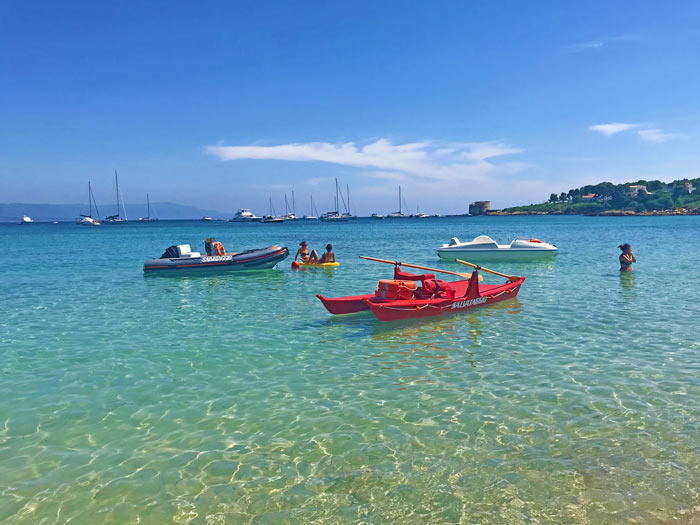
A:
[462,275]
[511,278]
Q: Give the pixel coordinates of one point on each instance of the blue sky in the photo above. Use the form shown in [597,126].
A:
[225,104]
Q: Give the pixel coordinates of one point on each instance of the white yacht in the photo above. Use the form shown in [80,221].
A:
[244,215]
[26,219]
[86,220]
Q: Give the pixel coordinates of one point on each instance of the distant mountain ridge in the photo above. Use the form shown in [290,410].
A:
[12,212]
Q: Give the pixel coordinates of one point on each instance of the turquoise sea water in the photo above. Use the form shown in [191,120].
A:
[238,399]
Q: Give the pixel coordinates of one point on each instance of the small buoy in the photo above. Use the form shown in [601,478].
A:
[295,265]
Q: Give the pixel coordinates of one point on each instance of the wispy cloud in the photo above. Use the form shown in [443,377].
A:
[315,181]
[599,44]
[647,133]
[427,159]
[655,135]
[585,46]
[613,127]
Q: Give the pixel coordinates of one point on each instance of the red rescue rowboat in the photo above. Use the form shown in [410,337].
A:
[433,297]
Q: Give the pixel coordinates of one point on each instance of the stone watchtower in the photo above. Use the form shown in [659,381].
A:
[479,207]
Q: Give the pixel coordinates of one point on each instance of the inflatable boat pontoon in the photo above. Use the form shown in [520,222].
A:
[180,258]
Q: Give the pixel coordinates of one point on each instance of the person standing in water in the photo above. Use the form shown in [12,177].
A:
[626,258]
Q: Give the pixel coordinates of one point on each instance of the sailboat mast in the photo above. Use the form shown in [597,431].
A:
[399,199]
[116,180]
[348,190]
[337,201]
[148,203]
[123,205]
[91,198]
[294,206]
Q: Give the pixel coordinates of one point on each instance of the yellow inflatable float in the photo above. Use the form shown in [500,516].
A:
[296,265]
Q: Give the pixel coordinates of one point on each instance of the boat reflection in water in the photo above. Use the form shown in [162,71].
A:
[435,350]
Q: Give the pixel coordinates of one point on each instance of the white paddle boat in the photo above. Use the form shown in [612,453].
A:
[484,247]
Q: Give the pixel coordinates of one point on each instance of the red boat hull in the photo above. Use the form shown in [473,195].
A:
[346,305]
[459,298]
[415,308]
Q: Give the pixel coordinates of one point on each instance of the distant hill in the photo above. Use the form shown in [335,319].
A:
[67,212]
[634,197]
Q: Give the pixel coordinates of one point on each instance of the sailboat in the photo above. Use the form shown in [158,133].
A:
[111,219]
[87,220]
[272,218]
[398,214]
[334,216]
[289,214]
[314,212]
[148,217]
[348,213]
[419,215]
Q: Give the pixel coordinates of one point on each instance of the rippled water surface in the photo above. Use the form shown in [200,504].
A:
[239,399]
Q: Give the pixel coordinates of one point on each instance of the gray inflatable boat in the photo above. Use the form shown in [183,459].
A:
[181,259]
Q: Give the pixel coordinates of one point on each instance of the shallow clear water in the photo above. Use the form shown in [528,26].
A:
[239,399]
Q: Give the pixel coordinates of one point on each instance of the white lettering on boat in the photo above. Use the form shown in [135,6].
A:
[469,302]
[217,258]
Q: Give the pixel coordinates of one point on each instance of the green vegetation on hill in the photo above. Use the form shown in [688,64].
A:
[640,196]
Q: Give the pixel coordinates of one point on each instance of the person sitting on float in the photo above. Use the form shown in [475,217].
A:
[306,257]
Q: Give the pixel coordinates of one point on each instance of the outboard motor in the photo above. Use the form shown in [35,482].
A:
[170,253]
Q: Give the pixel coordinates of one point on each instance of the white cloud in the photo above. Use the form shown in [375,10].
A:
[647,133]
[271,187]
[315,181]
[425,159]
[597,45]
[387,175]
[613,127]
[655,135]
[584,46]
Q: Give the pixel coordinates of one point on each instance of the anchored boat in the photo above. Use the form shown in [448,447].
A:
[403,298]
[88,220]
[181,258]
[117,218]
[484,247]
[245,215]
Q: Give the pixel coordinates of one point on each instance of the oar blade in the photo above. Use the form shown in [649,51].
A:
[469,276]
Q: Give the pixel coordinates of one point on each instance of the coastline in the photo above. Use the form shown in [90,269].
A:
[605,213]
